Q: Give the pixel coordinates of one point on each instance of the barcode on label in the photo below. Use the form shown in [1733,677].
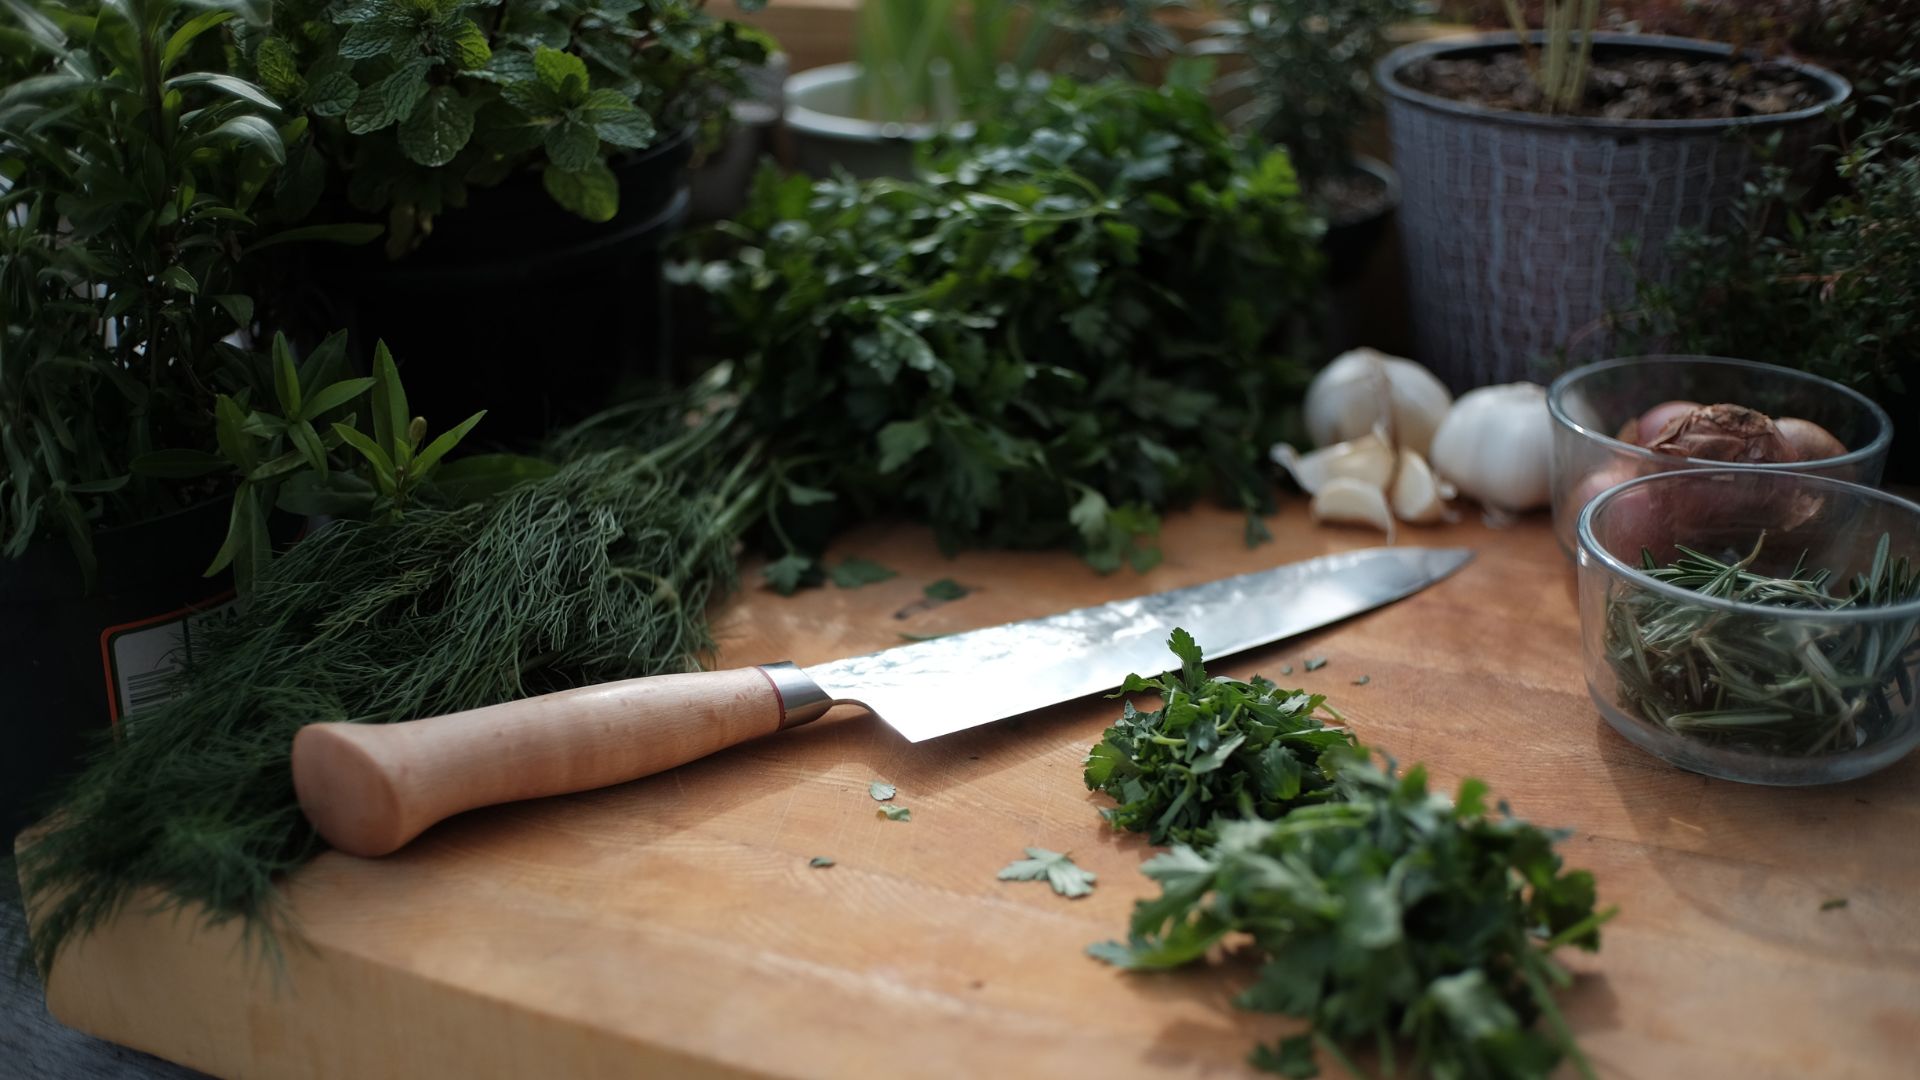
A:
[142,657]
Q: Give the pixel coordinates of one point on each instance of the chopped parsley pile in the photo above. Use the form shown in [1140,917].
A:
[1390,918]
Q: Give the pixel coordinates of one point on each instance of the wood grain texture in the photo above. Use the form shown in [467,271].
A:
[672,926]
[369,789]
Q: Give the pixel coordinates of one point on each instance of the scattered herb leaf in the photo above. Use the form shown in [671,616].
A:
[1836,902]
[1316,663]
[855,572]
[895,813]
[946,589]
[1286,669]
[820,862]
[1215,746]
[1363,680]
[1053,867]
[880,790]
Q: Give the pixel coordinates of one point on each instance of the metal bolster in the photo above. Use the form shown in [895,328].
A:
[801,699]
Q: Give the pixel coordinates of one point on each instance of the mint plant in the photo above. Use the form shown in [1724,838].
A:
[417,101]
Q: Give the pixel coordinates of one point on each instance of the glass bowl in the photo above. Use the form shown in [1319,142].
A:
[1590,405]
[1698,672]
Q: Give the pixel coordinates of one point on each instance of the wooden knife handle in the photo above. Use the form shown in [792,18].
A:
[370,788]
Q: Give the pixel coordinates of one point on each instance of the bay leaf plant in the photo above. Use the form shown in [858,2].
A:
[413,103]
[1080,316]
[304,451]
[134,164]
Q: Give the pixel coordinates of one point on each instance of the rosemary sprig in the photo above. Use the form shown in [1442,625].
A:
[1746,680]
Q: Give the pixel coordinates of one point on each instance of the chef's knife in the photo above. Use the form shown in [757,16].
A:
[370,788]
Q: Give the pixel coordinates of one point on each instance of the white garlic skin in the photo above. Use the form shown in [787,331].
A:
[1346,501]
[1367,459]
[1365,388]
[1495,444]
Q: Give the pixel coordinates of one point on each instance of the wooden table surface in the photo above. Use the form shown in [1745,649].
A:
[673,927]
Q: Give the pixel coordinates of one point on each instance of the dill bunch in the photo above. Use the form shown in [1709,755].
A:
[600,571]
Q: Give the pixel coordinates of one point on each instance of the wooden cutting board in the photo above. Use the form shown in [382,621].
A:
[673,927]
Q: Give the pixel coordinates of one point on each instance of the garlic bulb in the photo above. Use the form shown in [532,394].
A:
[1494,445]
[1367,459]
[1366,388]
[1348,501]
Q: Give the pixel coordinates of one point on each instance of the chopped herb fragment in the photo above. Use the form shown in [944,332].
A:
[880,790]
[1052,867]
[855,572]
[946,589]
[895,813]
[820,862]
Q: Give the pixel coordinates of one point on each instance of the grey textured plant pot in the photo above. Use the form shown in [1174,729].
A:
[1513,223]
[828,133]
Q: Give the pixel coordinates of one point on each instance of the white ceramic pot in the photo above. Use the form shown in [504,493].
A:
[828,133]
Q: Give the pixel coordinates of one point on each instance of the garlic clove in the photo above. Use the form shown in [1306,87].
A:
[1363,389]
[1416,496]
[1346,501]
[1367,459]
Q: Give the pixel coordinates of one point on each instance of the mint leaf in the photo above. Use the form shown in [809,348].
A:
[572,146]
[390,99]
[469,46]
[592,192]
[562,73]
[895,813]
[279,70]
[880,791]
[617,120]
[820,862]
[855,572]
[1054,868]
[332,95]
[438,129]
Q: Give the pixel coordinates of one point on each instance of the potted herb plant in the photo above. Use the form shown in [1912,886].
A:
[1301,76]
[1543,173]
[527,158]
[132,162]
[923,65]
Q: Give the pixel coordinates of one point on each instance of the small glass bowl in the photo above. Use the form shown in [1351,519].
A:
[1743,691]
[1590,404]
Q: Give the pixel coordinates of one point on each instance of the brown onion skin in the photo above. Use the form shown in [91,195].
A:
[1723,432]
[1813,442]
[1641,429]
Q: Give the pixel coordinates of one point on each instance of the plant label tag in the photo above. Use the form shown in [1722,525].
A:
[141,657]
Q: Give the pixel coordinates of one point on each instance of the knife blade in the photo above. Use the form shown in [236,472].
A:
[933,688]
[369,789]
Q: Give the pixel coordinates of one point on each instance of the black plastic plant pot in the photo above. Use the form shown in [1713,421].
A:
[1351,241]
[514,305]
[80,662]
[1523,231]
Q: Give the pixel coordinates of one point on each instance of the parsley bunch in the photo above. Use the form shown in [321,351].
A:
[1215,746]
[1385,915]
[1073,320]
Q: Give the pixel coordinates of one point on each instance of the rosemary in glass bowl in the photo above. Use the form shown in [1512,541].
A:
[1741,678]
[1708,643]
